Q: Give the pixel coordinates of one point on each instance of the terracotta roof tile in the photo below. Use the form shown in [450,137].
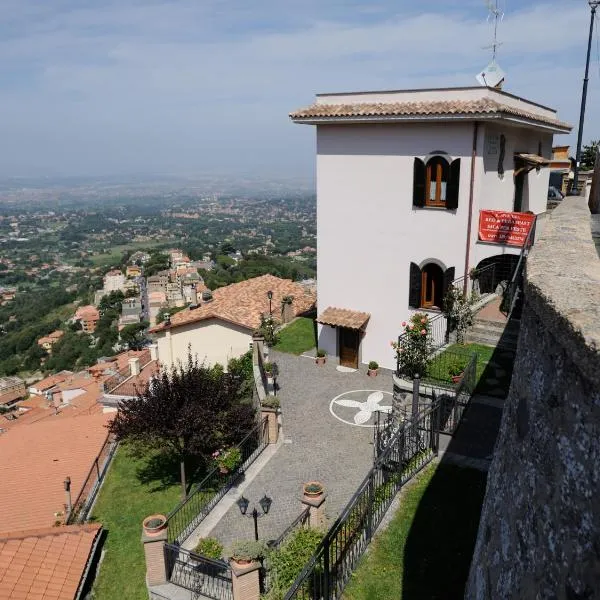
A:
[483,106]
[137,383]
[34,461]
[45,563]
[243,303]
[50,382]
[343,317]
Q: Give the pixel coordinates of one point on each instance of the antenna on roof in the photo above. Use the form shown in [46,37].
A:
[493,75]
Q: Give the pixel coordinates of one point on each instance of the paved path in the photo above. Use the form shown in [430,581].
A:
[316,444]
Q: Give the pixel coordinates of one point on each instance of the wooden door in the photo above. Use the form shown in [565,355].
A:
[349,340]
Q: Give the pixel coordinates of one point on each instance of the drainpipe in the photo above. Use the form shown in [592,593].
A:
[470,221]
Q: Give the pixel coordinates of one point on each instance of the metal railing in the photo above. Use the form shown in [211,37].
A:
[199,574]
[414,445]
[91,485]
[192,511]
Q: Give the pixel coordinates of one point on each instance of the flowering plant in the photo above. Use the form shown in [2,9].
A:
[458,311]
[228,459]
[413,347]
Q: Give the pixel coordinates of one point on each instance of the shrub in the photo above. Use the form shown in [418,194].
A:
[247,550]
[413,348]
[209,547]
[321,353]
[271,402]
[268,367]
[289,559]
[457,308]
[456,367]
[373,365]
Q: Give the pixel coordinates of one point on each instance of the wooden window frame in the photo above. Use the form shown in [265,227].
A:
[442,167]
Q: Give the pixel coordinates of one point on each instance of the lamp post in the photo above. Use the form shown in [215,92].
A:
[270,297]
[573,191]
[265,504]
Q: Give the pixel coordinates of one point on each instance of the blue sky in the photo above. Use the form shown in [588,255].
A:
[95,87]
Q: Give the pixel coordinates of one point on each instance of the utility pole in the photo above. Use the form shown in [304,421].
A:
[573,191]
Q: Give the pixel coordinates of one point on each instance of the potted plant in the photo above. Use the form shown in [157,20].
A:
[373,369]
[209,547]
[244,552]
[154,524]
[413,348]
[271,402]
[321,356]
[456,370]
[227,460]
[312,489]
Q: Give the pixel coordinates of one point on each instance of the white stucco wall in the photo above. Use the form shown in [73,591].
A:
[213,341]
[369,232]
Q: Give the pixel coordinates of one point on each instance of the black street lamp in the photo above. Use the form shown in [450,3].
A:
[265,504]
[270,297]
[573,191]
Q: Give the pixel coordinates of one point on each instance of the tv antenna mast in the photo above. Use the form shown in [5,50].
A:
[493,75]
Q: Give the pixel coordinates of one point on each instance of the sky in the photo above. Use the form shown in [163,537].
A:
[186,87]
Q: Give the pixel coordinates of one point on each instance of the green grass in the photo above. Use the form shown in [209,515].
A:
[297,337]
[132,490]
[461,353]
[426,550]
[114,256]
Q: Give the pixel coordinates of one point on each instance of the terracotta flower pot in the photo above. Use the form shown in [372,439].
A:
[310,489]
[320,360]
[223,470]
[456,378]
[372,372]
[154,524]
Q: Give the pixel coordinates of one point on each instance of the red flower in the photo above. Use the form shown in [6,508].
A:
[424,320]
[403,323]
[423,332]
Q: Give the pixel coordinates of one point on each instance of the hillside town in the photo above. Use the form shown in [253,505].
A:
[386,389]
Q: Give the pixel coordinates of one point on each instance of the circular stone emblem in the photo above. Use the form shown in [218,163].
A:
[359,407]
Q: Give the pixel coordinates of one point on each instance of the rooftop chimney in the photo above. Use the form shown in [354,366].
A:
[153,351]
[134,366]
[193,296]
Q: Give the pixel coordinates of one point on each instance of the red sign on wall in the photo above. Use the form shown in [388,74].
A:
[509,228]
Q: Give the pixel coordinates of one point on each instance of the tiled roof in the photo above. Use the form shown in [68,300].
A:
[534,159]
[481,107]
[87,312]
[45,564]
[243,303]
[137,383]
[36,458]
[343,317]
[50,382]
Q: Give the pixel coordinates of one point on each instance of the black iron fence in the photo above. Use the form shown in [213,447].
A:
[93,481]
[201,575]
[412,447]
[192,511]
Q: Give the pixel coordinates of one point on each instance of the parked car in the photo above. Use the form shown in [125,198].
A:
[554,194]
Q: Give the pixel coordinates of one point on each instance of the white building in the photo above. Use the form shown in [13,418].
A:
[114,281]
[220,326]
[402,178]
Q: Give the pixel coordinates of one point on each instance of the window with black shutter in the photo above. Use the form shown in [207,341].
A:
[429,285]
[436,182]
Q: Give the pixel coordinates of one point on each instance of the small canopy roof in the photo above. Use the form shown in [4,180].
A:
[533,160]
[343,317]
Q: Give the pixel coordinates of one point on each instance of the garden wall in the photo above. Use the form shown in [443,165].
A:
[539,535]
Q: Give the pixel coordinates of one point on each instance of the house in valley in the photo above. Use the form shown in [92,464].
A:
[220,326]
[414,189]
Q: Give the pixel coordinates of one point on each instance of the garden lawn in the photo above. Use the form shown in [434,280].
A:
[426,550]
[459,353]
[122,504]
[297,337]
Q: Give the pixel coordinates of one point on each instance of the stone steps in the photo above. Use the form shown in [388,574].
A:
[494,333]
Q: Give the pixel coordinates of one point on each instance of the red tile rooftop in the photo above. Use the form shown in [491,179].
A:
[35,458]
[45,564]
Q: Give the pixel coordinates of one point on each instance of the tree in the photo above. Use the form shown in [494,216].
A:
[134,334]
[191,410]
[588,154]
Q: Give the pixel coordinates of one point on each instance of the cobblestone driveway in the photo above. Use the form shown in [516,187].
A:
[317,445]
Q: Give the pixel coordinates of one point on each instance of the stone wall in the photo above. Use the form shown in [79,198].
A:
[539,535]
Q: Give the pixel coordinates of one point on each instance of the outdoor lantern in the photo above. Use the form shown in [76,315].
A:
[270,295]
[265,503]
[243,504]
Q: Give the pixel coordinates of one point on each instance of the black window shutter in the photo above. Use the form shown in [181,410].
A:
[448,279]
[453,185]
[419,183]
[414,291]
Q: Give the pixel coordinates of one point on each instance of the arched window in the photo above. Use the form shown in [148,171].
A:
[437,173]
[436,182]
[428,285]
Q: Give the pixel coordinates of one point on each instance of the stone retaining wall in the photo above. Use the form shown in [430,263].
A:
[539,535]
